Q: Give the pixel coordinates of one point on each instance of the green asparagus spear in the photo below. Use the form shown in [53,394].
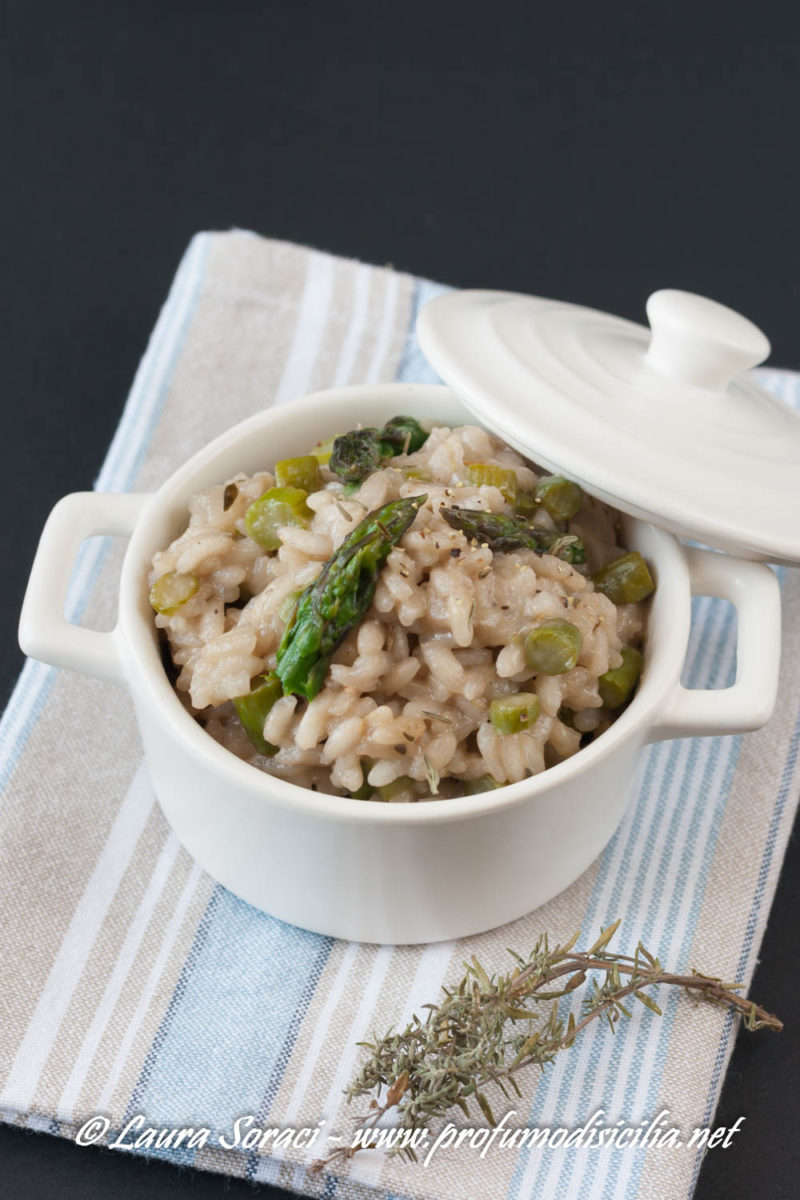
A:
[356,454]
[514,533]
[340,597]
[402,435]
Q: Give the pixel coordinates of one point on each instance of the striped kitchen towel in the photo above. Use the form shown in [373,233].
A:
[133,985]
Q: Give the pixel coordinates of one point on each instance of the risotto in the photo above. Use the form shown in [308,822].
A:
[402,614]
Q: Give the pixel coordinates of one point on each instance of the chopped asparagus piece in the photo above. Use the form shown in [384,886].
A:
[277,507]
[362,793]
[561,497]
[485,783]
[366,790]
[399,789]
[552,647]
[616,686]
[488,475]
[322,450]
[513,714]
[526,504]
[254,708]
[626,580]
[172,590]
[302,472]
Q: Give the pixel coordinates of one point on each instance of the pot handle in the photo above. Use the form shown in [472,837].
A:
[44,631]
[753,590]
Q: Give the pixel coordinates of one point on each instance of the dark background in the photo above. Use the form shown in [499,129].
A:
[585,154]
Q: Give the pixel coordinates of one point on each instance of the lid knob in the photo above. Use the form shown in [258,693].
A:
[699,341]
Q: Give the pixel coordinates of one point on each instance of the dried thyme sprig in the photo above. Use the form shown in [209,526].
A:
[473,1036]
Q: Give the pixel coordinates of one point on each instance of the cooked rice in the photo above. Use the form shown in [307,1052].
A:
[409,689]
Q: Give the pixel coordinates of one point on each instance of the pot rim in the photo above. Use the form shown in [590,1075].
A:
[669,617]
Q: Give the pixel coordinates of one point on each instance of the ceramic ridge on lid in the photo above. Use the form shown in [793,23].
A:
[658,422]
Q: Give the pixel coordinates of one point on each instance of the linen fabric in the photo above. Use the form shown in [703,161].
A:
[132,984]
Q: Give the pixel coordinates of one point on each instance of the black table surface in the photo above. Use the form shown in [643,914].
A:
[583,153]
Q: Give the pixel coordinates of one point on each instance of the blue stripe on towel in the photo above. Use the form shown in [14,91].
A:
[414,366]
[234,1017]
[282,1059]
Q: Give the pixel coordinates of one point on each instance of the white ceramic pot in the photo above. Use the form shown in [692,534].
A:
[363,870]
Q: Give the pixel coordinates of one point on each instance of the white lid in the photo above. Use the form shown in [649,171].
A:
[660,424]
